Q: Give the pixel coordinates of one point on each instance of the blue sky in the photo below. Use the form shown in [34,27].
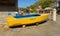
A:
[25,3]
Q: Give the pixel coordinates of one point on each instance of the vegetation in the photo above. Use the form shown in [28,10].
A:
[46,3]
[43,3]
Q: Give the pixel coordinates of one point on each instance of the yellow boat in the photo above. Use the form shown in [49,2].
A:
[26,19]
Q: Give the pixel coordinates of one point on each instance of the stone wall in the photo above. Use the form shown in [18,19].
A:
[4,15]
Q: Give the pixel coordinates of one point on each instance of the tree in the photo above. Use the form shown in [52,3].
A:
[46,3]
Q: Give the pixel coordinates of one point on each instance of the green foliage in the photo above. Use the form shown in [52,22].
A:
[43,3]
[33,10]
[46,3]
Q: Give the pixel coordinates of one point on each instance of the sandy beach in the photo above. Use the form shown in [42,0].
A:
[48,28]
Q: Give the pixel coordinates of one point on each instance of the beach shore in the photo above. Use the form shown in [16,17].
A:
[49,28]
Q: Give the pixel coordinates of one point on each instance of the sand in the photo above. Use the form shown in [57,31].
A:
[48,28]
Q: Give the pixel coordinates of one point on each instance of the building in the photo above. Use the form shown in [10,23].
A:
[8,5]
[5,7]
[57,3]
[58,8]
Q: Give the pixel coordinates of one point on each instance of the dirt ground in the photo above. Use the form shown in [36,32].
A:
[48,28]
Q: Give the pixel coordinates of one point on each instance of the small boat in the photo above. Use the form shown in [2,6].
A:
[26,19]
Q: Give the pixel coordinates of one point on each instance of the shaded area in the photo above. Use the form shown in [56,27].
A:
[8,5]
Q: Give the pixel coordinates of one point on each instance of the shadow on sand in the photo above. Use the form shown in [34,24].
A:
[33,24]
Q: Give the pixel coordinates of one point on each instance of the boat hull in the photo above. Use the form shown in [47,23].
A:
[25,21]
